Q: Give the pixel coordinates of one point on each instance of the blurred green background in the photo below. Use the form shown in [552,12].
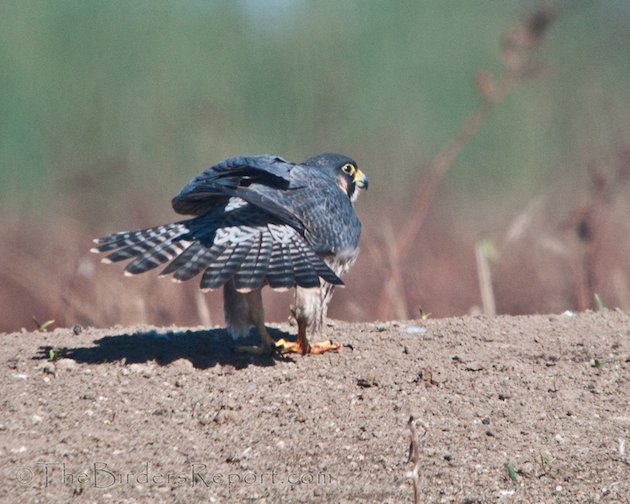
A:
[108,107]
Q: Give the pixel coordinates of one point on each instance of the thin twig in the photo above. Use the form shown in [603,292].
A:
[414,456]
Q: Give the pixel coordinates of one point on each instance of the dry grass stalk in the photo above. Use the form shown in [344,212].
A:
[485,280]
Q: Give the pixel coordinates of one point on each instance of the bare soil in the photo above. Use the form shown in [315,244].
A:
[513,409]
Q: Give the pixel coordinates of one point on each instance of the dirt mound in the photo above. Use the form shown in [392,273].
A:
[512,409]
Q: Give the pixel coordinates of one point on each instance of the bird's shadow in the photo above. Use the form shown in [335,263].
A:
[204,349]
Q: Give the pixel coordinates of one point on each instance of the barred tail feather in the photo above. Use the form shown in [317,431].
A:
[192,261]
[324,271]
[280,271]
[126,238]
[226,265]
[252,272]
[305,274]
[130,244]
[200,260]
[161,253]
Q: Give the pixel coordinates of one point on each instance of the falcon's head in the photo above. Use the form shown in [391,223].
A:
[344,170]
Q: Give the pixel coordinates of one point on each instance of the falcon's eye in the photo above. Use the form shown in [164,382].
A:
[348,169]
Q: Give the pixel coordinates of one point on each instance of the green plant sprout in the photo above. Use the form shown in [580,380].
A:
[511,471]
[599,363]
[424,315]
[546,462]
[600,304]
[44,325]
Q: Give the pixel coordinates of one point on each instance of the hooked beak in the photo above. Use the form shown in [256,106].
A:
[360,180]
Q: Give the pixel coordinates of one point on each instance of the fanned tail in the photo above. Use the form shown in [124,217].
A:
[250,256]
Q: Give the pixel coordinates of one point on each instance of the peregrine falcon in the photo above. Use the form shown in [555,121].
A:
[258,220]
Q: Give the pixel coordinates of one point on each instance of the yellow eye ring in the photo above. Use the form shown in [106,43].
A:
[348,168]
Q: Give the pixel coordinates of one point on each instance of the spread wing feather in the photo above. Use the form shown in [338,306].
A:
[212,187]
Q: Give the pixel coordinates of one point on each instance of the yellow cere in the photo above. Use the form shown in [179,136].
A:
[359,177]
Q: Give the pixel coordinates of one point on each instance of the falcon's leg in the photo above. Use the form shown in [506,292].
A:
[309,311]
[267,344]
[302,344]
[242,311]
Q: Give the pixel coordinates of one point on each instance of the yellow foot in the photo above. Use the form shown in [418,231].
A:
[284,346]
